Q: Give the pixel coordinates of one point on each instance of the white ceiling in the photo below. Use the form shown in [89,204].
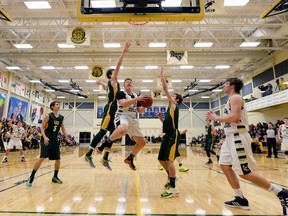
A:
[44,29]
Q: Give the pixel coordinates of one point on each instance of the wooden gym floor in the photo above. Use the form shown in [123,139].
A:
[88,191]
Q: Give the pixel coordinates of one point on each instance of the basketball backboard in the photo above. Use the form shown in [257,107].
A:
[139,10]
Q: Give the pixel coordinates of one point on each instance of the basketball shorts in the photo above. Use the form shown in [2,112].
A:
[169,146]
[236,151]
[14,142]
[132,123]
[284,144]
[51,151]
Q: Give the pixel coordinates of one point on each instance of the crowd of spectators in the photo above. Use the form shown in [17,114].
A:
[32,139]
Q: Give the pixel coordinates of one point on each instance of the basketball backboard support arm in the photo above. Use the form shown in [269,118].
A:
[136,13]
[4,15]
[278,7]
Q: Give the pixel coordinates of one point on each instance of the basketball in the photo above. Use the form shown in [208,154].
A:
[148,102]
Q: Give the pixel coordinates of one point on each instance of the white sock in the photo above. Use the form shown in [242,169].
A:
[274,188]
[238,192]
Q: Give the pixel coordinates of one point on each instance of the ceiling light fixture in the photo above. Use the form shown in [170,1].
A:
[147,81]
[34,81]
[157,45]
[111,45]
[222,66]
[114,67]
[48,67]
[176,81]
[50,90]
[203,44]
[81,67]
[61,97]
[23,46]
[235,3]
[205,97]
[13,68]
[151,67]
[37,4]
[186,67]
[90,81]
[65,46]
[204,80]
[249,44]
[63,81]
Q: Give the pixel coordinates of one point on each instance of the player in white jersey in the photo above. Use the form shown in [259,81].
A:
[18,133]
[126,120]
[283,136]
[236,156]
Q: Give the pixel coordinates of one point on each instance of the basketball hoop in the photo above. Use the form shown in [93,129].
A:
[138,23]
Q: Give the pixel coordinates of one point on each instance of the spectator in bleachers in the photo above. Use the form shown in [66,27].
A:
[283,84]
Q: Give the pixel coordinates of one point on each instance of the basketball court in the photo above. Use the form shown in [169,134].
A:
[88,191]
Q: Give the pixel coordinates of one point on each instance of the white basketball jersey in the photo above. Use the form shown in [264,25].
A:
[236,127]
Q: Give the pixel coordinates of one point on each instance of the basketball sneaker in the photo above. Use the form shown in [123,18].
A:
[283,197]
[170,192]
[57,180]
[23,159]
[106,164]
[5,160]
[88,160]
[130,163]
[29,182]
[209,162]
[238,202]
[183,169]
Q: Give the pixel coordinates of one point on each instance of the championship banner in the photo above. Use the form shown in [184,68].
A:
[177,57]
[36,115]
[78,36]
[214,7]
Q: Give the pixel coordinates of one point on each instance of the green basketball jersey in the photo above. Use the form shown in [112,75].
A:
[54,125]
[170,122]
[112,92]
[208,129]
